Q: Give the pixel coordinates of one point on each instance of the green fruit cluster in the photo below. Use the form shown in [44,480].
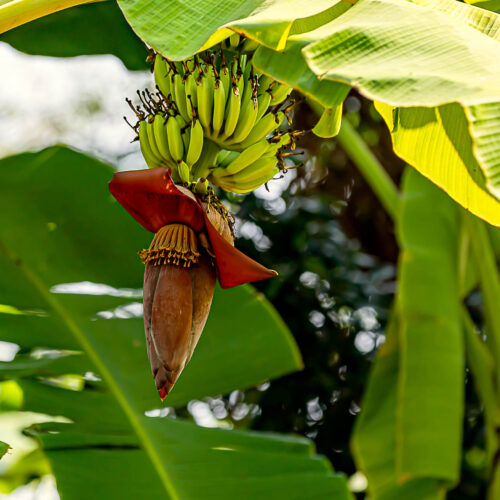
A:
[213,120]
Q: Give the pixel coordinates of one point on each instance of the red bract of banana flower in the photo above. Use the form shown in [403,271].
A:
[193,245]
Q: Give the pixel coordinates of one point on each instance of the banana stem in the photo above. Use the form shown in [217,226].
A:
[18,12]
[373,172]
[201,169]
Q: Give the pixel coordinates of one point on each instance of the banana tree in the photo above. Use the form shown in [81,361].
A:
[431,67]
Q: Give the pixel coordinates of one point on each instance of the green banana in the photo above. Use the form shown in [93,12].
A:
[232,113]
[205,93]
[185,139]
[184,172]
[262,128]
[247,187]
[240,82]
[180,96]
[234,40]
[253,172]
[246,157]
[190,90]
[180,120]
[175,143]
[225,78]
[195,143]
[249,45]
[221,156]
[219,106]
[264,83]
[148,155]
[161,139]
[263,102]
[248,114]
[161,74]
[280,92]
[152,141]
[284,140]
[243,63]
[228,158]
[201,187]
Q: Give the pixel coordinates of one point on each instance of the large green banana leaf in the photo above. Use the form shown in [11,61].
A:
[87,29]
[178,29]
[59,226]
[408,436]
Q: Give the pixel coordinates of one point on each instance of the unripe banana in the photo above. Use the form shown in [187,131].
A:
[249,45]
[217,173]
[234,40]
[222,155]
[225,78]
[253,172]
[247,187]
[185,139]
[152,141]
[247,157]
[264,83]
[232,113]
[201,187]
[148,155]
[248,114]
[190,90]
[205,93]
[219,106]
[284,140]
[161,74]
[175,143]
[262,128]
[263,102]
[243,63]
[195,143]
[227,158]
[180,96]
[184,172]
[161,138]
[280,93]
[240,82]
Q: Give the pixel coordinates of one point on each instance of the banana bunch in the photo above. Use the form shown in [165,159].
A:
[236,107]
[210,120]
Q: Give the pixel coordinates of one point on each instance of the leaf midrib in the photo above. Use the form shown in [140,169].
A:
[79,335]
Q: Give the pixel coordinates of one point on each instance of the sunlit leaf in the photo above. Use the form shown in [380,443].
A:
[437,143]
[407,54]
[178,29]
